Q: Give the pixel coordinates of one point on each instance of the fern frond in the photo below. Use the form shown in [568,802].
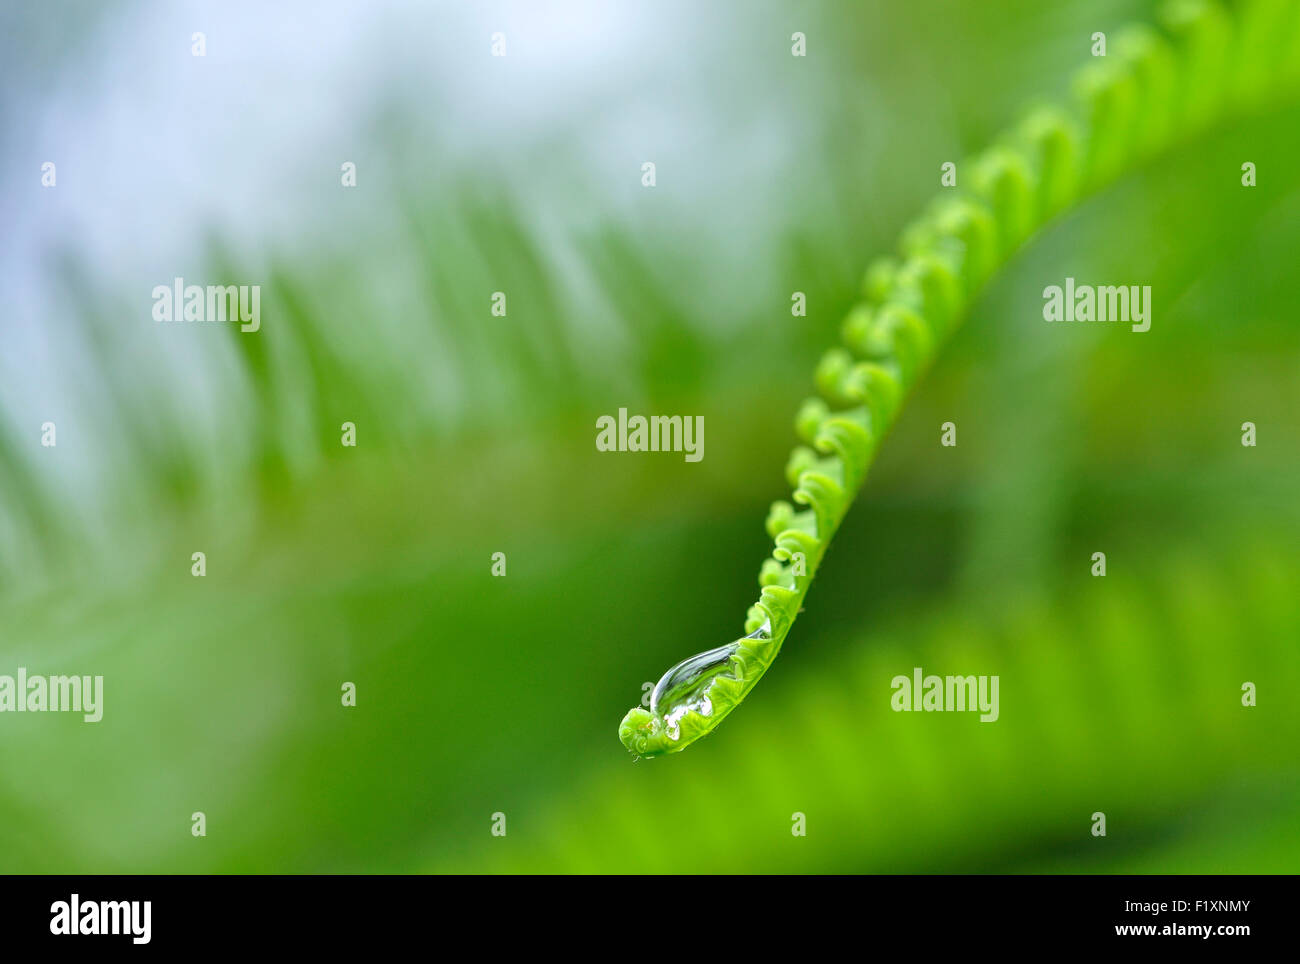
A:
[1157,89]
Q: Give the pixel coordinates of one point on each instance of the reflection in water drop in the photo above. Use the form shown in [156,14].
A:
[684,688]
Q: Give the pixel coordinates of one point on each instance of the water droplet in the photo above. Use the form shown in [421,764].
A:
[689,676]
[684,688]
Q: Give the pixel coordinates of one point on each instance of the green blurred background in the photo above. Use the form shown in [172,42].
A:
[478,694]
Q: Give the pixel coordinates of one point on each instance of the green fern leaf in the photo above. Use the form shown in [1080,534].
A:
[1159,89]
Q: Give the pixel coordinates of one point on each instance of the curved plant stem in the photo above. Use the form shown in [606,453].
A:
[1156,88]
